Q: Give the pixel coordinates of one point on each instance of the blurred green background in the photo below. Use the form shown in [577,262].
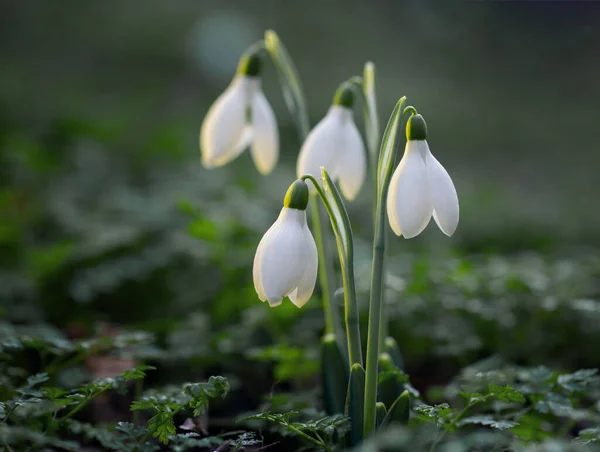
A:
[108,216]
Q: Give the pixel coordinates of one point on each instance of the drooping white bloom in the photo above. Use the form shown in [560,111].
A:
[286,260]
[335,144]
[240,117]
[421,188]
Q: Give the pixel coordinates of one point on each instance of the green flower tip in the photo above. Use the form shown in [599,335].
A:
[389,342]
[356,367]
[328,338]
[344,96]
[296,196]
[250,64]
[385,358]
[416,129]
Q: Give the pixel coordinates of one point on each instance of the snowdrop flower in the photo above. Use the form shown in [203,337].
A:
[241,117]
[336,145]
[420,188]
[286,261]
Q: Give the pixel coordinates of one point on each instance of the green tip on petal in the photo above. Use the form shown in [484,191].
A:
[385,358]
[250,64]
[296,196]
[416,129]
[344,96]
[328,338]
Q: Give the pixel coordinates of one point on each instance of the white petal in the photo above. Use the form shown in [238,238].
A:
[301,294]
[281,263]
[352,164]
[260,291]
[409,204]
[443,194]
[323,145]
[223,127]
[265,142]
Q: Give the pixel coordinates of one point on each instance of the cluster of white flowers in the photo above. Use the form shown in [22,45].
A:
[286,259]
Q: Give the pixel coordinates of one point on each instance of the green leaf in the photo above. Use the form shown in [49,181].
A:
[434,414]
[355,403]
[137,372]
[488,421]
[279,418]
[400,410]
[334,375]
[37,379]
[589,435]
[557,404]
[290,82]
[370,110]
[340,221]
[389,143]
[506,394]
[161,426]
[244,440]
[579,381]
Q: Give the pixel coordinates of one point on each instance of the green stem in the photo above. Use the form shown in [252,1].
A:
[351,309]
[346,256]
[330,312]
[375,321]
[82,404]
[457,418]
[308,437]
[376,335]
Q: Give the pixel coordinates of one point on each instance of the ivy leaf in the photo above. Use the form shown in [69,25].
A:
[488,421]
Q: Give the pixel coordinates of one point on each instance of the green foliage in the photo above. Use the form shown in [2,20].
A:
[193,395]
[320,432]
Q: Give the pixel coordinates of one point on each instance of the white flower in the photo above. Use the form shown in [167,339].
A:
[336,145]
[286,260]
[420,188]
[225,132]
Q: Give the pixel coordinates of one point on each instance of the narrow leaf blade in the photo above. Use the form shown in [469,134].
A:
[290,82]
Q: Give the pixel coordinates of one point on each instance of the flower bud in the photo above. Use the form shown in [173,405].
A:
[250,64]
[416,128]
[344,96]
[296,196]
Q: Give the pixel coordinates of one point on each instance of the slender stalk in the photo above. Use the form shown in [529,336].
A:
[385,170]
[351,309]
[308,437]
[375,320]
[324,279]
[83,404]
[346,255]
